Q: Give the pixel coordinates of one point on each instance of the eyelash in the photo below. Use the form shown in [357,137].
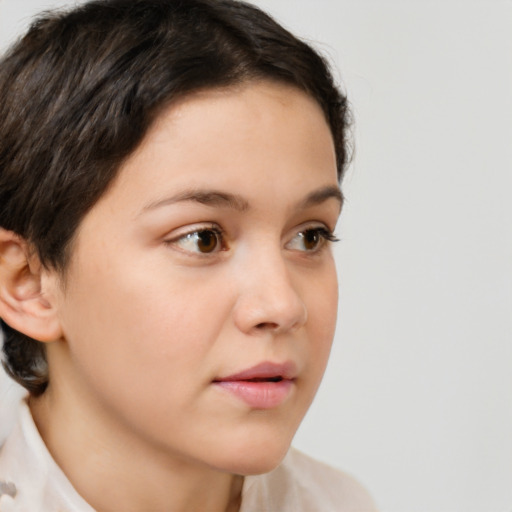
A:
[194,236]
[325,235]
[196,233]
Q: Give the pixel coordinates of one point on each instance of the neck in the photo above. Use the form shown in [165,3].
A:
[112,469]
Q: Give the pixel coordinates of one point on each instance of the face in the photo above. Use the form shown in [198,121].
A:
[200,302]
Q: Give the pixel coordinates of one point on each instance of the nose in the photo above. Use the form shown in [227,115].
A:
[268,300]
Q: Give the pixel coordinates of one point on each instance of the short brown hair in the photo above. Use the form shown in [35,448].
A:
[80,90]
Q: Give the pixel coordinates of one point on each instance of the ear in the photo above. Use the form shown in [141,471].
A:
[27,290]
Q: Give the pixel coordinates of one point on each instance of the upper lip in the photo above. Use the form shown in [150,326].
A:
[264,371]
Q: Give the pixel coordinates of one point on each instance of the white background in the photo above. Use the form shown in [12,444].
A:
[417,400]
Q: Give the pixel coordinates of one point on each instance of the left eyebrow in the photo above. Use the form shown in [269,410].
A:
[321,195]
[212,198]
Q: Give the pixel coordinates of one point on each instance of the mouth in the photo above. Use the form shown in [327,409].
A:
[262,379]
[264,372]
[264,386]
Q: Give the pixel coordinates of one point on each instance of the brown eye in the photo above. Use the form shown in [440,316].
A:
[311,239]
[207,240]
[201,241]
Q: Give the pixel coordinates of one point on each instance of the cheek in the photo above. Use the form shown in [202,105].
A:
[145,337]
[322,304]
[142,321]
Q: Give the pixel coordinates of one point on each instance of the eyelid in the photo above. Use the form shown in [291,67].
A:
[181,235]
[325,233]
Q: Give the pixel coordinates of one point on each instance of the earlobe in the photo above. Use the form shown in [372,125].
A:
[24,303]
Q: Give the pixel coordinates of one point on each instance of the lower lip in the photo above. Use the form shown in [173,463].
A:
[259,395]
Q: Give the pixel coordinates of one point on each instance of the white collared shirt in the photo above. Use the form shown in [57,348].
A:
[31,481]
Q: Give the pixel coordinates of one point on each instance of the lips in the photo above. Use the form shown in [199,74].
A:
[263,372]
[264,386]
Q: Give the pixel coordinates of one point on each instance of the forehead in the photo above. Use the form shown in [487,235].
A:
[263,115]
[257,136]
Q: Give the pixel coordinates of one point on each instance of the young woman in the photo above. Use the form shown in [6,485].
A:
[169,187]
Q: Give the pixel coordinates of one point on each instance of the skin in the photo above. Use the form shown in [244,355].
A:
[147,319]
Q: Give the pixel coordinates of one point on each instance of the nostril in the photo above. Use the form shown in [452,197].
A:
[267,325]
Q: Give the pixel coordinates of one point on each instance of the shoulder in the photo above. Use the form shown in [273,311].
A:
[30,480]
[319,480]
[303,484]
[12,465]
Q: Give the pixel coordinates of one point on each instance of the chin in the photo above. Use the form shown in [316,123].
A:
[257,463]
[256,455]
[260,465]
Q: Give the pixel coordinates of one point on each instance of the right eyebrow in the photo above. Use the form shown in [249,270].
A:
[321,195]
[213,198]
